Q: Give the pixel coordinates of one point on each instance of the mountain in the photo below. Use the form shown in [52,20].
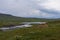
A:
[7,19]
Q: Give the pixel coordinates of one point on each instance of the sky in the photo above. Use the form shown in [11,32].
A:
[31,8]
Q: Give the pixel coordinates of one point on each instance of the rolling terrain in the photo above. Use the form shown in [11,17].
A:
[10,20]
[52,32]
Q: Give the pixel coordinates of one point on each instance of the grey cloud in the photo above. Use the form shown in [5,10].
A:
[27,8]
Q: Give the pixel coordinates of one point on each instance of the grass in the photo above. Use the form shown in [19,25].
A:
[8,20]
[14,21]
[52,32]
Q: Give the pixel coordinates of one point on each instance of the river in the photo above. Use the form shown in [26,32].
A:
[14,27]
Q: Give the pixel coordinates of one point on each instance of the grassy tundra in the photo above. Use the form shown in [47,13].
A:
[52,32]
[9,20]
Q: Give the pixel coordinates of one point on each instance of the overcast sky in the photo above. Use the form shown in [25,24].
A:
[31,8]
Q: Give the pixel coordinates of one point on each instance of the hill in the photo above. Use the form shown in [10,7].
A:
[52,32]
[7,20]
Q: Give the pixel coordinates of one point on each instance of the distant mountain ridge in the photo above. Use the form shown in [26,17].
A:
[5,14]
[8,16]
[7,19]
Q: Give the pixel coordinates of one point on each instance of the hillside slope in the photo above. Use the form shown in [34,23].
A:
[6,20]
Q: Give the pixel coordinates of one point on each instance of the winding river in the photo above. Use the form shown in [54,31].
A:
[14,27]
[24,24]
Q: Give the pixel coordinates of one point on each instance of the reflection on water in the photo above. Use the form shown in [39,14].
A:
[24,24]
[14,27]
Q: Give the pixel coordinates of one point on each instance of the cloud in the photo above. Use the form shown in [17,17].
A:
[31,8]
[51,4]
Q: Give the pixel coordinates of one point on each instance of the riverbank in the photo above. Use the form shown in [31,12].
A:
[33,33]
[24,24]
[14,27]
